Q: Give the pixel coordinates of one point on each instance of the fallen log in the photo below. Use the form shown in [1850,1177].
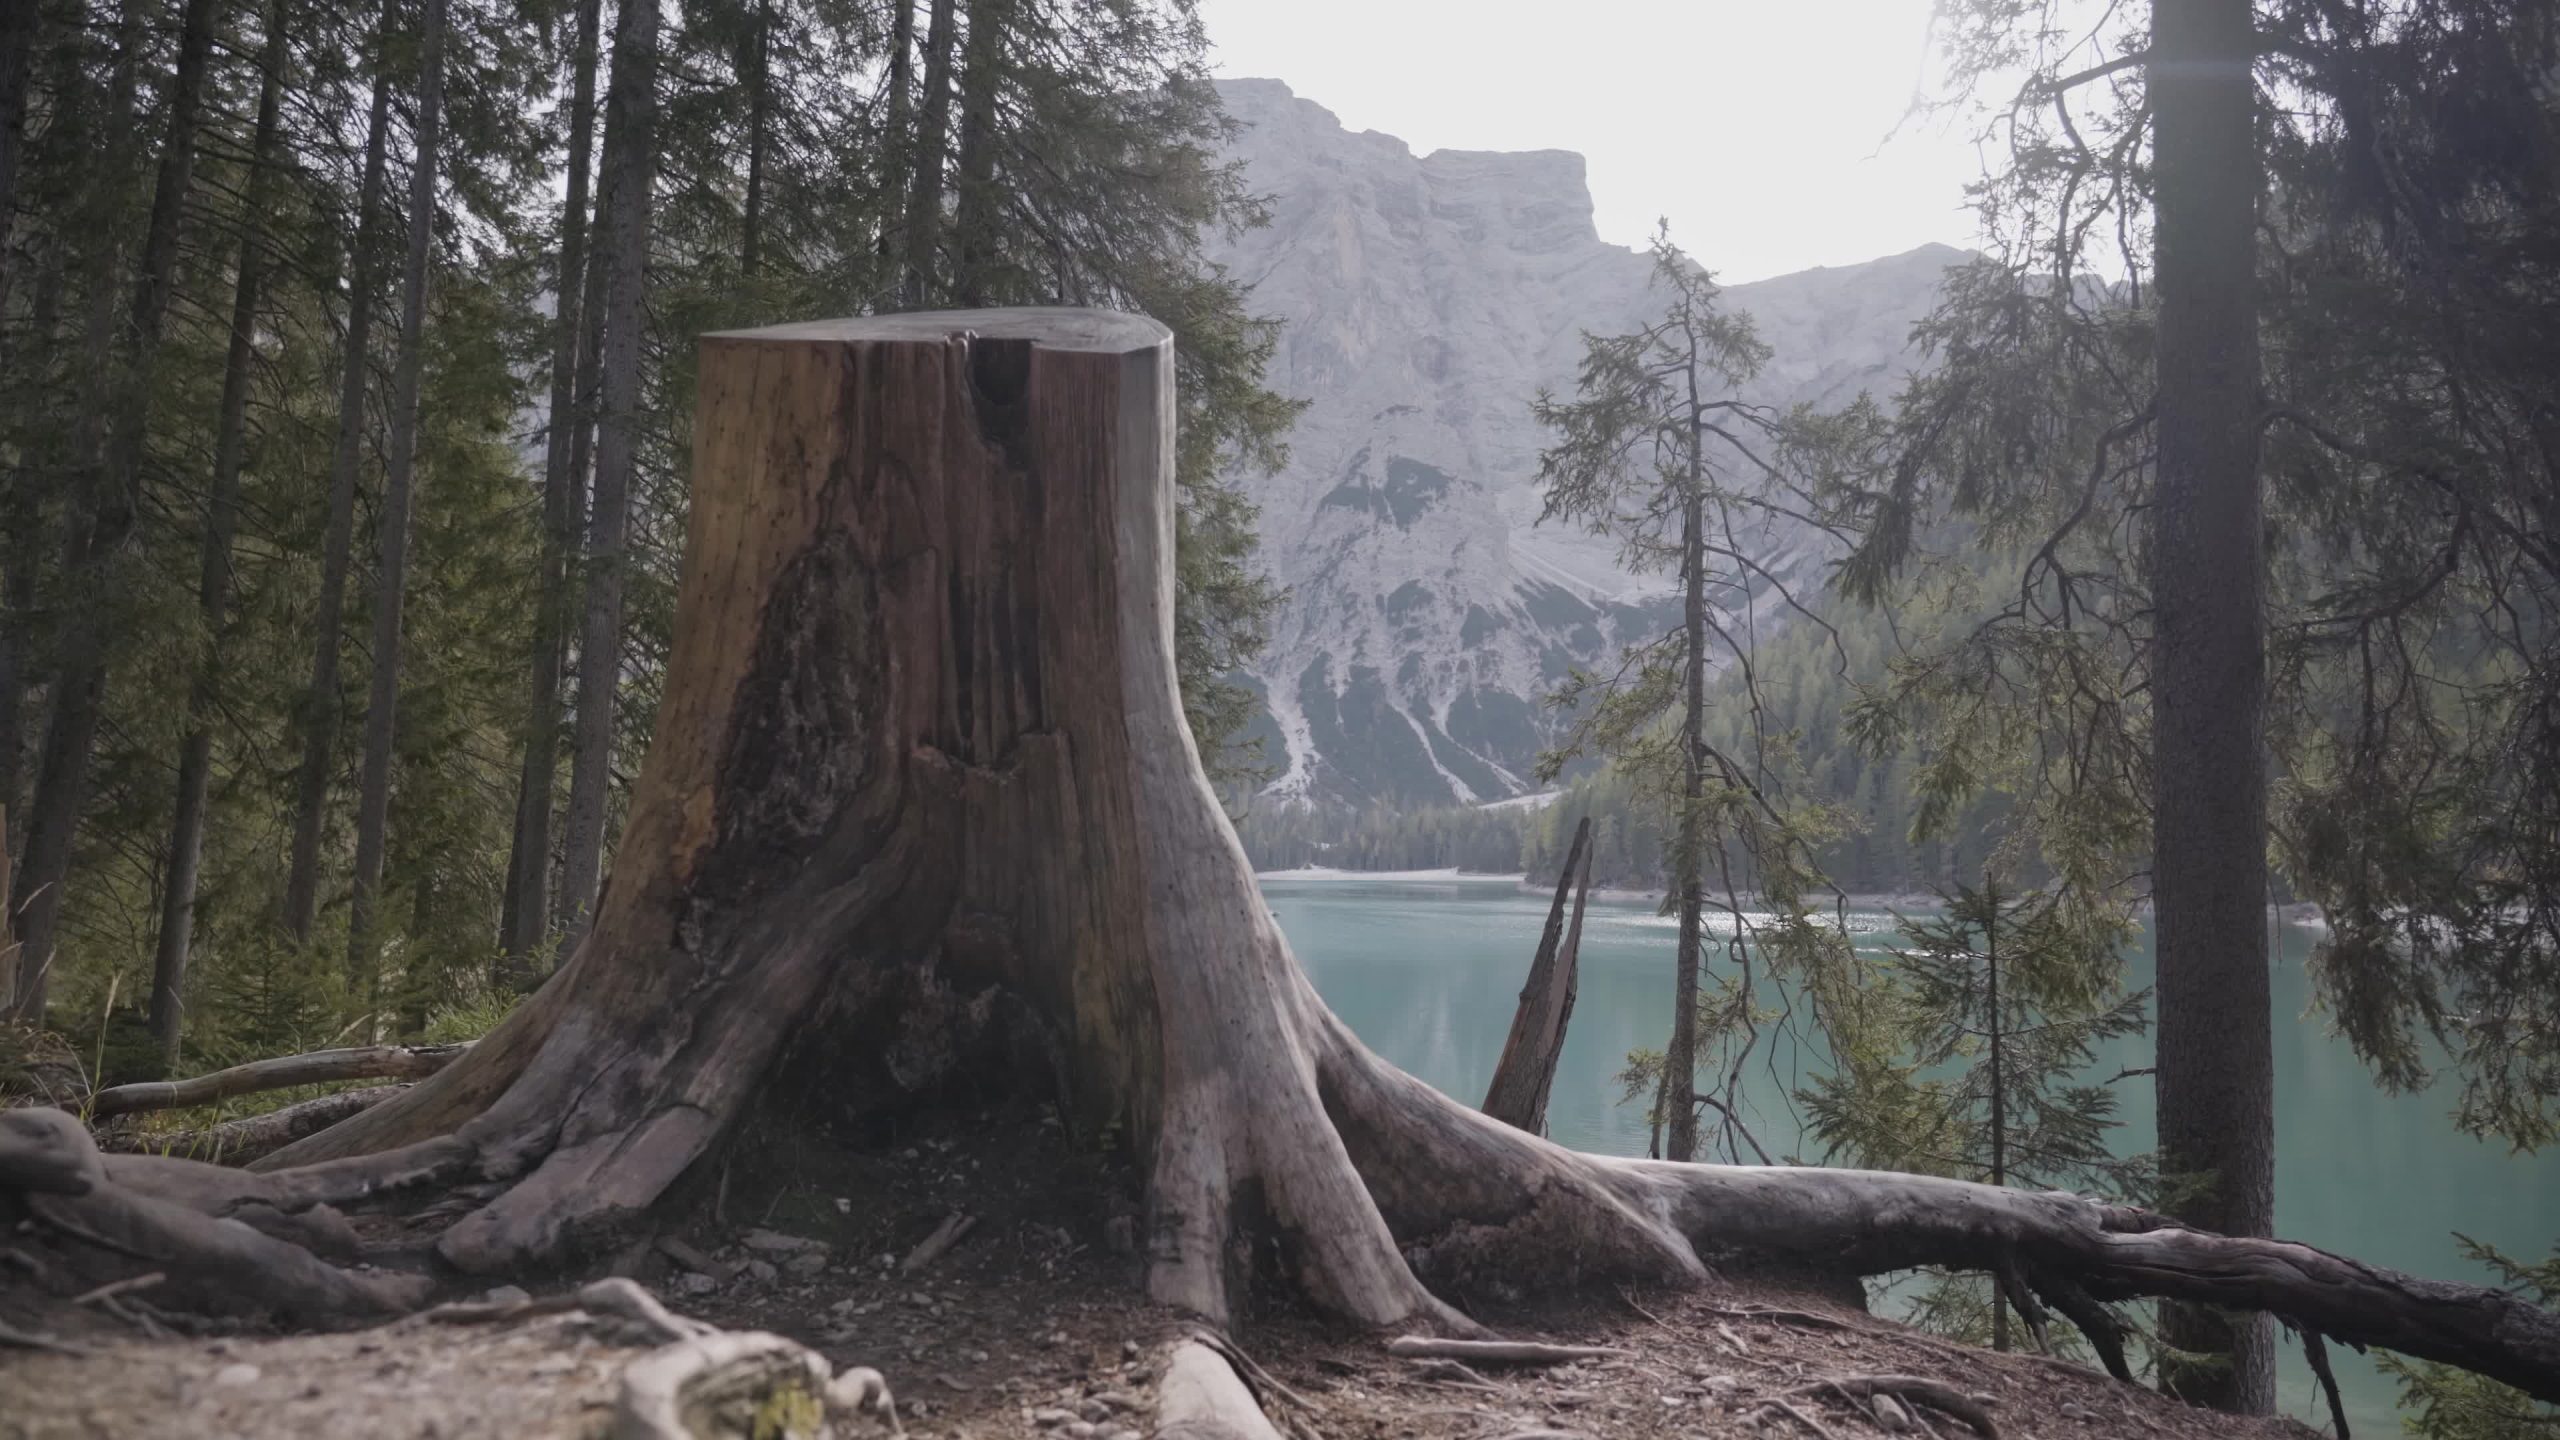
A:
[237,1142]
[1496,1352]
[319,1067]
[1527,1070]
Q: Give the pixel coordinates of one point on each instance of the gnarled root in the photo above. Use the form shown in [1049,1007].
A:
[1201,1397]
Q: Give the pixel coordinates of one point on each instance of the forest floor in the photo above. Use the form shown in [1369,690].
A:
[1032,1326]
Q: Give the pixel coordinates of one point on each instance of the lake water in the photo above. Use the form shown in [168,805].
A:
[1428,969]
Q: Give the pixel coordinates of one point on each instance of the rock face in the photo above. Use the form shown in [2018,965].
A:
[1427,300]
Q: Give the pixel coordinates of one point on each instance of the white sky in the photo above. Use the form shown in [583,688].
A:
[1758,127]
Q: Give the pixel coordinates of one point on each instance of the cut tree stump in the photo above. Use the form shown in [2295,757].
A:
[1527,1069]
[922,799]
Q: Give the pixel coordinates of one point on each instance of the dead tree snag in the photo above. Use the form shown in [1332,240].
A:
[1527,1069]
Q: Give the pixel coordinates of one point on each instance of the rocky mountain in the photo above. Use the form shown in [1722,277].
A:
[1427,299]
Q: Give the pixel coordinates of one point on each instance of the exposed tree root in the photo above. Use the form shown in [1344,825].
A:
[1914,1388]
[1201,1397]
[1791,1412]
[1496,1352]
[955,1227]
[283,1072]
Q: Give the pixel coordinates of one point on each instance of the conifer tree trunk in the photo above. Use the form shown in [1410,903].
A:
[973,213]
[923,228]
[1996,1024]
[1680,1057]
[213,580]
[759,121]
[631,118]
[2208,673]
[528,904]
[896,142]
[1526,1072]
[321,702]
[382,711]
[110,504]
[17,67]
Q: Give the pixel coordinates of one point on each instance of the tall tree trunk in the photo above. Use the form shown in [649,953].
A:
[382,709]
[897,145]
[17,66]
[923,229]
[109,508]
[2208,675]
[973,213]
[1680,1057]
[631,118]
[321,702]
[1996,1024]
[922,784]
[566,911]
[1527,1070]
[213,575]
[759,121]
[529,862]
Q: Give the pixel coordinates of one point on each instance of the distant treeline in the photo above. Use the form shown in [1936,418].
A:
[1805,680]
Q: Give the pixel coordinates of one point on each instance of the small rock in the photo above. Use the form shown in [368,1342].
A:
[1128,1349]
[1077,1430]
[763,1271]
[1094,1409]
[236,1373]
[693,1282]
[1050,1415]
[774,1242]
[1123,1433]
[807,1263]
[1891,1415]
[507,1295]
[1120,1400]
[844,1206]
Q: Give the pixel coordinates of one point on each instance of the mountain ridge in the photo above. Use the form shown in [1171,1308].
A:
[1426,300]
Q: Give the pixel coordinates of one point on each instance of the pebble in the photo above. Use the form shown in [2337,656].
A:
[774,1242]
[1077,1430]
[1123,1433]
[507,1295]
[695,1284]
[1120,1400]
[236,1373]
[807,1263]
[1095,1409]
[763,1271]
[1050,1415]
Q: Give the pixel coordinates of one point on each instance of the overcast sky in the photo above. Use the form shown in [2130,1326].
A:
[1758,127]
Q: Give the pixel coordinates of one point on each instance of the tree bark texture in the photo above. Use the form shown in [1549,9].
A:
[759,70]
[631,121]
[974,201]
[321,704]
[2208,674]
[528,904]
[1527,1070]
[896,143]
[921,790]
[213,577]
[399,470]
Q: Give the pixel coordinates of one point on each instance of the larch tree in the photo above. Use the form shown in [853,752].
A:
[1658,452]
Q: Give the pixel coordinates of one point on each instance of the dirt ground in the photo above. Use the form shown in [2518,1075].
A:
[1033,1325]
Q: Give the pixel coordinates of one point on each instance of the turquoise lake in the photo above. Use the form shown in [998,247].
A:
[1427,969]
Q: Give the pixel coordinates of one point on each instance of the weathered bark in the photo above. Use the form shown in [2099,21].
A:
[2208,676]
[921,234]
[631,119]
[391,581]
[321,702]
[1527,1070]
[17,64]
[213,576]
[921,784]
[283,1072]
[1997,1022]
[528,893]
[974,201]
[110,502]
